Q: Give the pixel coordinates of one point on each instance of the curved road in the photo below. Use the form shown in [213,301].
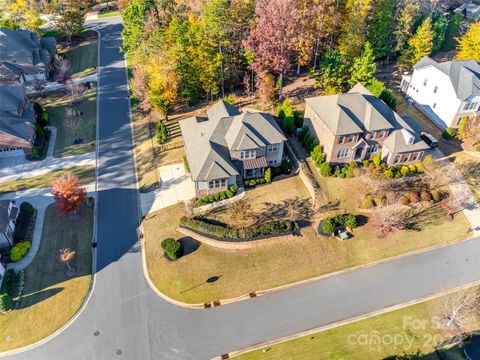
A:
[124,319]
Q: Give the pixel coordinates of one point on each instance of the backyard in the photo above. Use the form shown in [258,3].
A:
[56,104]
[244,271]
[50,298]
[370,338]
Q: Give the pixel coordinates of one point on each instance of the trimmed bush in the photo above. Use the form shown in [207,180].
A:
[366,163]
[208,199]
[436,196]
[377,160]
[268,175]
[26,207]
[426,196]
[404,200]
[369,203]
[347,220]
[172,248]
[6,302]
[405,171]
[318,155]
[19,251]
[413,197]
[269,229]
[448,133]
[325,169]
[161,132]
[9,281]
[328,226]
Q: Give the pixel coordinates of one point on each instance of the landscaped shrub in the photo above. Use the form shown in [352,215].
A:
[286,166]
[298,119]
[377,159]
[161,132]
[366,163]
[9,281]
[405,171]
[227,194]
[351,169]
[268,175]
[254,182]
[172,248]
[426,196]
[404,200]
[269,229]
[286,115]
[413,197]
[325,169]
[388,174]
[6,302]
[21,226]
[230,99]
[328,226]
[26,207]
[436,196]
[318,156]
[19,251]
[369,203]
[448,133]
[348,220]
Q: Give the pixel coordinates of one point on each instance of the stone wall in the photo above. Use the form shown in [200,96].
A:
[217,204]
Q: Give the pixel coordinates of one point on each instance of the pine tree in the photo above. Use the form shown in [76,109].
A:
[406,14]
[469,43]
[439,27]
[363,67]
[420,45]
[380,29]
[331,72]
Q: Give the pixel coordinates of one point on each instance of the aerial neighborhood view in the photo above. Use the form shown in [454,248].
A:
[240,179]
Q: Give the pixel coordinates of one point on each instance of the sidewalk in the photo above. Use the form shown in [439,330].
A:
[51,86]
[40,199]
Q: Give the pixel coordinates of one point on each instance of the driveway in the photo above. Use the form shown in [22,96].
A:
[175,186]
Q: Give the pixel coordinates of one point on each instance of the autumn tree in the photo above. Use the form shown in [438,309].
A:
[420,45]
[241,215]
[23,14]
[265,88]
[386,219]
[162,91]
[380,28]
[139,86]
[63,66]
[355,27]
[440,173]
[274,38]
[65,256]
[331,72]
[405,16]
[68,193]
[69,21]
[471,134]
[469,43]
[363,67]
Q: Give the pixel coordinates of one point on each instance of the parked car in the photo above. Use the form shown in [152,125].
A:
[429,139]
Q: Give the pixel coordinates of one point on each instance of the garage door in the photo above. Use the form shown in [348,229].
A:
[4,153]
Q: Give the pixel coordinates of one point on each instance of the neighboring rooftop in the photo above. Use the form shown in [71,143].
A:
[13,119]
[7,213]
[208,141]
[464,74]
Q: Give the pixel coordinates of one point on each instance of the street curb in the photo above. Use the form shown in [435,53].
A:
[293,284]
[348,321]
[87,298]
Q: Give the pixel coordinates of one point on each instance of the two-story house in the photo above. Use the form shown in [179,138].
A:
[17,131]
[25,56]
[357,125]
[8,217]
[447,92]
[228,146]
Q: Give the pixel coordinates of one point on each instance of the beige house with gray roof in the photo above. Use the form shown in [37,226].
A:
[228,146]
[357,125]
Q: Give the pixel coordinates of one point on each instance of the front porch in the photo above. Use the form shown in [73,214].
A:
[254,168]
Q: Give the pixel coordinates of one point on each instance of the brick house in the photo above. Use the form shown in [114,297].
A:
[357,125]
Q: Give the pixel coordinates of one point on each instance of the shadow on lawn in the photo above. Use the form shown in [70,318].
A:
[36,297]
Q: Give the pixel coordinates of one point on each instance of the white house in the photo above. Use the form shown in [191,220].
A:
[447,92]
[8,217]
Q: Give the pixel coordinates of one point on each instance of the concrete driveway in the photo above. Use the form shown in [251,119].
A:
[176,186]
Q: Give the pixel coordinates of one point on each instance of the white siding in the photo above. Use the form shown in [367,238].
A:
[444,103]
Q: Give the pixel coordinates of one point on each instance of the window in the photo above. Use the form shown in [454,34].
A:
[397,159]
[470,106]
[270,162]
[342,153]
[425,82]
[341,139]
[373,148]
[434,104]
[382,134]
[272,148]
[460,119]
[248,154]
[216,184]
[435,89]
[351,138]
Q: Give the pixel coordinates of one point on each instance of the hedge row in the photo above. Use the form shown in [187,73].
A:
[347,220]
[269,229]
[219,196]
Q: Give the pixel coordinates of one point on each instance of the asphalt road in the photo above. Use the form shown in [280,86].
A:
[124,319]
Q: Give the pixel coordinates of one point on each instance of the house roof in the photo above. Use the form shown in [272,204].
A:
[405,137]
[208,141]
[11,97]
[464,74]
[354,112]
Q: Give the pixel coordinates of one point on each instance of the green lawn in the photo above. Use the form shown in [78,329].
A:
[376,338]
[56,103]
[50,299]
[264,267]
[108,14]
[83,58]
[85,173]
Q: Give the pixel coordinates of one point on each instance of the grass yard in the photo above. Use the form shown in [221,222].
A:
[50,298]
[261,268]
[55,104]
[369,339]
[85,173]
[83,58]
[469,166]
[107,14]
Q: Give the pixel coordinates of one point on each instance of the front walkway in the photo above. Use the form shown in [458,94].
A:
[176,186]
[52,85]
[40,199]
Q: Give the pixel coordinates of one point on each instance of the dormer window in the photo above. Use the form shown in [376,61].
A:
[248,154]
[435,89]
[425,82]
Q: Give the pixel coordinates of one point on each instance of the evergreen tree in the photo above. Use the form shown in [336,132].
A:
[363,67]
[355,27]
[469,43]
[420,45]
[331,72]
[439,27]
[380,29]
[406,15]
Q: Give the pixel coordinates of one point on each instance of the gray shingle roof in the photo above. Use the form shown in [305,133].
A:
[11,123]
[208,141]
[405,128]
[464,74]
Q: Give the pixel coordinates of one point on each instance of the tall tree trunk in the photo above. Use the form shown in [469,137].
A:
[253,84]
[315,56]
[221,71]
[298,68]
[280,88]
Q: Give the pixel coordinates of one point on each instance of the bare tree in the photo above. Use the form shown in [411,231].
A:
[65,256]
[71,123]
[189,208]
[386,219]
[63,65]
[241,215]
[471,134]
[440,173]
[459,308]
[75,91]
[456,202]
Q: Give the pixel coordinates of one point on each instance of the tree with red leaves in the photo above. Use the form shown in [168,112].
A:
[69,193]
[274,38]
